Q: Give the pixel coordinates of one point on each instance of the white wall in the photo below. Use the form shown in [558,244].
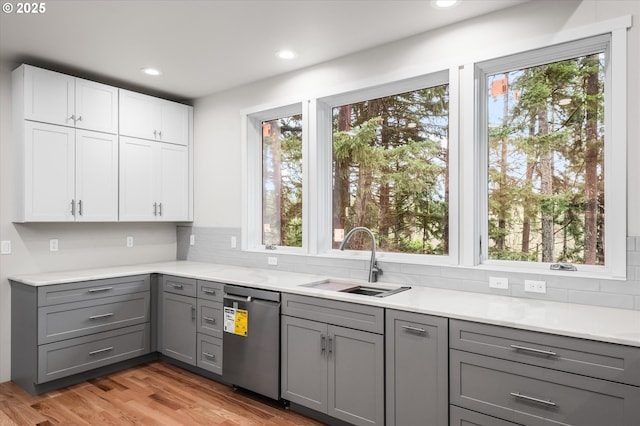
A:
[217,117]
[81,245]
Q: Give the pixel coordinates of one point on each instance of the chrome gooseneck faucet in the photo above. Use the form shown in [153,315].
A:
[374,271]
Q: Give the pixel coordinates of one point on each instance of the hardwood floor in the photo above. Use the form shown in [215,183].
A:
[157,393]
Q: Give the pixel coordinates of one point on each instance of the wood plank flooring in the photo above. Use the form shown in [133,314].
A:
[157,393]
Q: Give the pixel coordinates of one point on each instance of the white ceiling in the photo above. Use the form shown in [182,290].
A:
[207,46]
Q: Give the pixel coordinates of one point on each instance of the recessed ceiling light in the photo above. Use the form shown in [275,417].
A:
[286,54]
[151,71]
[443,4]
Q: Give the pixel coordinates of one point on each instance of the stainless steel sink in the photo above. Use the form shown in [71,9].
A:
[377,290]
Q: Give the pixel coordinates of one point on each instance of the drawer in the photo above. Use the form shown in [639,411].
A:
[602,360]
[210,316]
[179,285]
[461,417]
[59,322]
[90,290]
[535,396]
[351,315]
[209,353]
[210,290]
[61,359]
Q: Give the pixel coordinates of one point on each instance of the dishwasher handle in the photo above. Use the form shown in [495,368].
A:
[238,298]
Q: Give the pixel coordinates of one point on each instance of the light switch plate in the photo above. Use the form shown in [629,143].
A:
[53,244]
[129,242]
[192,240]
[271,260]
[535,286]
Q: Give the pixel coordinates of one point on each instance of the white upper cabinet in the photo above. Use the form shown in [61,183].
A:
[68,175]
[56,98]
[146,117]
[154,181]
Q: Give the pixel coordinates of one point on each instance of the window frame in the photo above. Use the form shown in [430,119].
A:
[573,44]
[324,145]
[252,120]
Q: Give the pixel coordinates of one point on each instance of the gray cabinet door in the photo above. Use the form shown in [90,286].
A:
[304,363]
[417,360]
[179,327]
[356,376]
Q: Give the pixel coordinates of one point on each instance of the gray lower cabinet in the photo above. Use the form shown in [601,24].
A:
[463,417]
[531,378]
[191,317]
[417,369]
[60,330]
[333,369]
[178,339]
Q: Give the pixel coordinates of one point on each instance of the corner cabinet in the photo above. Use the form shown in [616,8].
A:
[417,351]
[332,358]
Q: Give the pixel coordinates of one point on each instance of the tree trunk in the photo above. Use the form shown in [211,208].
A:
[341,177]
[546,186]
[503,206]
[526,208]
[591,170]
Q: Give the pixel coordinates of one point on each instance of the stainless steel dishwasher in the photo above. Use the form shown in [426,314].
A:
[251,340]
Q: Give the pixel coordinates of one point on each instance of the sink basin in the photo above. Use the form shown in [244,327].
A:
[377,290]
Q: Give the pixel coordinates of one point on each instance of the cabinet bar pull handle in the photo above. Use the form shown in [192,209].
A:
[208,355]
[80,207]
[155,209]
[330,344]
[208,291]
[73,117]
[95,290]
[323,343]
[160,134]
[79,118]
[209,319]
[73,207]
[155,134]
[537,351]
[101,350]
[193,313]
[533,399]
[177,286]
[416,329]
[110,314]
[159,209]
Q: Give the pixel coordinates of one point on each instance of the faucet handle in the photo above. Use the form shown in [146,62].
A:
[375,271]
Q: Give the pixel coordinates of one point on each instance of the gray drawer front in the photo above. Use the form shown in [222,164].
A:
[178,285]
[352,315]
[210,315]
[210,290]
[538,396]
[462,417]
[590,358]
[61,359]
[209,353]
[90,290]
[59,322]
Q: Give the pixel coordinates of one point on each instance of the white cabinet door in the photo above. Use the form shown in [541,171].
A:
[48,173]
[173,182]
[174,122]
[139,115]
[96,177]
[96,106]
[146,117]
[48,96]
[137,177]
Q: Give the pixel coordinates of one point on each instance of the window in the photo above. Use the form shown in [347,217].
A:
[544,128]
[282,181]
[390,171]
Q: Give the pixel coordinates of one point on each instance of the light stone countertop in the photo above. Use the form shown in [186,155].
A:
[589,322]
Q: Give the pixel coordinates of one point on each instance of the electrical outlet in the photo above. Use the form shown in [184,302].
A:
[129,241]
[271,260]
[192,240]
[499,282]
[535,286]
[234,242]
[5,247]
[53,244]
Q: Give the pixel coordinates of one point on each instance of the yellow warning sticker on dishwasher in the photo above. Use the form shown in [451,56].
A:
[236,321]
